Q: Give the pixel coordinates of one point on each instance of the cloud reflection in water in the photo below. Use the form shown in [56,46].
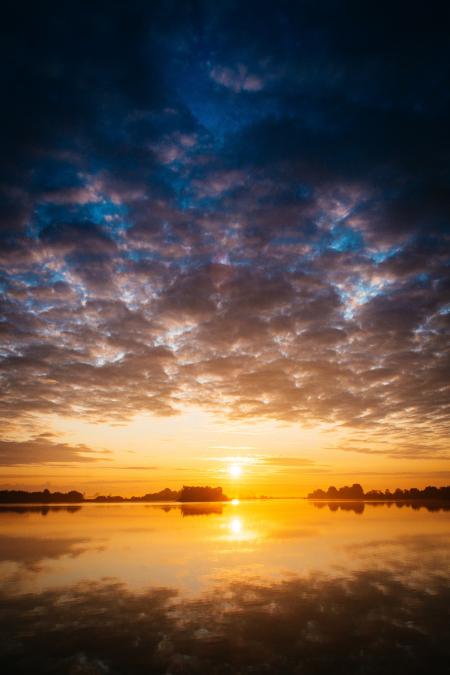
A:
[369,622]
[254,588]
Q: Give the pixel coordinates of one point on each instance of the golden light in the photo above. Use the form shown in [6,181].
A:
[235,502]
[236,525]
[235,470]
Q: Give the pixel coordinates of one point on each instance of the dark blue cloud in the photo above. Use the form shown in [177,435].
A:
[262,182]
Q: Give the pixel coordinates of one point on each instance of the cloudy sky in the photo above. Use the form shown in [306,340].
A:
[224,237]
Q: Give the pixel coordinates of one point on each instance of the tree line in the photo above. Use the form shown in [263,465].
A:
[40,497]
[356,492]
[188,493]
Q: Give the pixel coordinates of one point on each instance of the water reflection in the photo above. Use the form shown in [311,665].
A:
[201,509]
[191,545]
[242,531]
[31,551]
[236,526]
[253,587]
[358,507]
[366,623]
[43,509]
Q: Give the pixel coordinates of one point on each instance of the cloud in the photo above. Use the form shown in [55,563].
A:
[289,461]
[132,468]
[262,232]
[237,79]
[45,450]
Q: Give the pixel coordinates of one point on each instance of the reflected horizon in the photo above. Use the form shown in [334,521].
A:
[244,587]
[190,545]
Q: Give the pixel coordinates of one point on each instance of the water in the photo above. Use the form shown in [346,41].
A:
[277,586]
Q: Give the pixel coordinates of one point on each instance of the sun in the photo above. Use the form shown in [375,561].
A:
[235,470]
[236,526]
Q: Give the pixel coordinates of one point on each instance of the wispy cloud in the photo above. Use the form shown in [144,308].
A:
[289,461]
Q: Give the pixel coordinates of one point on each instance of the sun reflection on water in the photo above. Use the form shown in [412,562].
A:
[236,525]
[240,531]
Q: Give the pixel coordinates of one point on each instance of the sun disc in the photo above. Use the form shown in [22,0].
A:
[235,470]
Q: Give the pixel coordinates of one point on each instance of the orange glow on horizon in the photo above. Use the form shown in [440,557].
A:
[247,459]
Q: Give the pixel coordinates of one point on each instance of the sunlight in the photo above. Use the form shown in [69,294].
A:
[236,525]
[235,470]
[235,502]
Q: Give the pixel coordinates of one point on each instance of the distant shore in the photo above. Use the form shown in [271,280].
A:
[188,493]
[356,493]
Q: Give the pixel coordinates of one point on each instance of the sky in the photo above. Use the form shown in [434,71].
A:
[224,240]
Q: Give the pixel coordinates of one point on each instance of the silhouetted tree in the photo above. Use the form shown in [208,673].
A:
[201,494]
[356,492]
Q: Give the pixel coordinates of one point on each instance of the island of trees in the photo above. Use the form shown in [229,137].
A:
[197,493]
[40,497]
[188,493]
[356,492]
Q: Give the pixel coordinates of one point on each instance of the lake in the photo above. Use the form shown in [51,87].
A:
[273,586]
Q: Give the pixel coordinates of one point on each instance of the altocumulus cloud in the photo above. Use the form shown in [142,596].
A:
[238,207]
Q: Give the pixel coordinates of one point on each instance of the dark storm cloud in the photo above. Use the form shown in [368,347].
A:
[240,207]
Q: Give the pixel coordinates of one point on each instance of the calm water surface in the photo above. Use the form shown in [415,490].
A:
[257,587]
